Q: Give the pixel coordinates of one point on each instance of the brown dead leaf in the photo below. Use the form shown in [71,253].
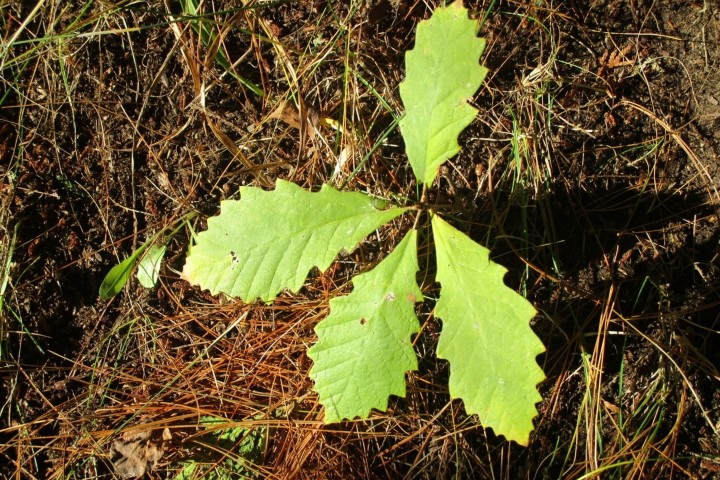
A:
[615,59]
[306,119]
[136,453]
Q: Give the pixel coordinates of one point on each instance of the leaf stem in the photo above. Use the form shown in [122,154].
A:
[420,211]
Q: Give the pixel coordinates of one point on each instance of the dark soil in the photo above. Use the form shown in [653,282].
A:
[610,226]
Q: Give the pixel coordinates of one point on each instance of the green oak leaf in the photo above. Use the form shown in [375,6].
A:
[442,72]
[364,346]
[269,240]
[486,336]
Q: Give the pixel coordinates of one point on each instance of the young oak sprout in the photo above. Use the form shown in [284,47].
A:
[268,241]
